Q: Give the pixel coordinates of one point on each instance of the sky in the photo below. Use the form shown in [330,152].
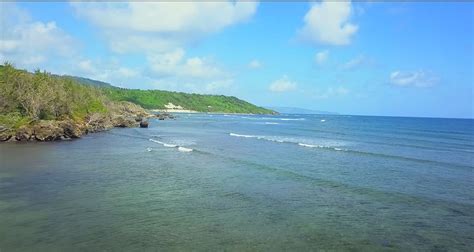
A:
[362,58]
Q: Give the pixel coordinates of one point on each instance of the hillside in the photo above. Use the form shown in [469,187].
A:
[157,99]
[88,81]
[41,95]
[40,106]
[44,106]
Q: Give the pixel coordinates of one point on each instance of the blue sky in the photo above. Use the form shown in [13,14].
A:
[370,58]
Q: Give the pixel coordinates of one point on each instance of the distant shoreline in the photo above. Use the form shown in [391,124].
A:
[175,111]
[187,111]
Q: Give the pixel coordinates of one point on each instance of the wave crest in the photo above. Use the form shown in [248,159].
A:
[290,140]
[180,148]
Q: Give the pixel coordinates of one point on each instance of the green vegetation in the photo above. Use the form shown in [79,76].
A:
[26,97]
[157,99]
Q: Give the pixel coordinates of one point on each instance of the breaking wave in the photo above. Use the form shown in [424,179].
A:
[337,146]
[183,149]
[290,140]
[321,146]
[180,148]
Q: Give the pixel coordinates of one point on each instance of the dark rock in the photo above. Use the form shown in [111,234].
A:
[144,124]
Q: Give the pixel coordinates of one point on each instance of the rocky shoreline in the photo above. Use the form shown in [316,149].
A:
[126,115]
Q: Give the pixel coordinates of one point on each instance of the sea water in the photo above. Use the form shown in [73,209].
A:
[245,182]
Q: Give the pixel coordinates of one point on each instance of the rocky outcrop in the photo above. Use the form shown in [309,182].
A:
[164,116]
[5,134]
[47,131]
[72,129]
[23,133]
[122,115]
[124,122]
[97,122]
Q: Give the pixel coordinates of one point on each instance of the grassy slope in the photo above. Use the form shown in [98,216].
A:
[25,97]
[156,99]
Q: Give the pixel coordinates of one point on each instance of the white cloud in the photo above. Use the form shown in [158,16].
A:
[162,26]
[86,66]
[127,72]
[357,62]
[331,92]
[218,86]
[418,78]
[29,43]
[255,64]
[201,86]
[174,71]
[284,84]
[328,23]
[174,63]
[321,57]
[109,71]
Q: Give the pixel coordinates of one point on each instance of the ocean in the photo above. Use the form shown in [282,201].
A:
[245,182]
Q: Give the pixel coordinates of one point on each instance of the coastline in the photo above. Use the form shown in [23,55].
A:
[188,111]
[174,111]
[127,115]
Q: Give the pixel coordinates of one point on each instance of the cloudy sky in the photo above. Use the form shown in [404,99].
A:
[400,59]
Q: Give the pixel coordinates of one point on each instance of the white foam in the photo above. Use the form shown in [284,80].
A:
[271,123]
[290,140]
[155,141]
[180,148]
[183,149]
[292,119]
[308,145]
[149,149]
[322,120]
[246,136]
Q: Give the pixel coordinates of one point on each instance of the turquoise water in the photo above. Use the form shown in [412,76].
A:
[214,182]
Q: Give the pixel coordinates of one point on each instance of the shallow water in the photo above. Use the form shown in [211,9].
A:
[213,182]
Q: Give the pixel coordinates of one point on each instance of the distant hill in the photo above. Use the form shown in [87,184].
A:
[293,110]
[157,99]
[88,81]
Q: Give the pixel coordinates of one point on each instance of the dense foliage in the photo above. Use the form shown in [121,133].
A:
[157,99]
[28,96]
